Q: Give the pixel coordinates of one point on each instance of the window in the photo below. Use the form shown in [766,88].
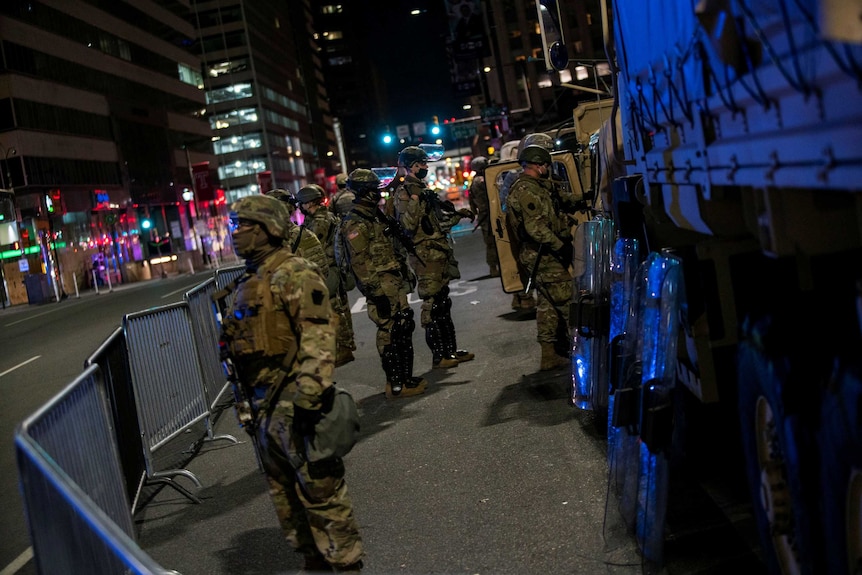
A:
[238,142]
[242,167]
[234,118]
[233,92]
[331,9]
[190,75]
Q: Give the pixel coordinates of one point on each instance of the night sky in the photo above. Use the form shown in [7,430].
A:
[410,52]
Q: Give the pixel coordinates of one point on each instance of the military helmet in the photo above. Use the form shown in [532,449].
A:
[537,139]
[410,155]
[479,164]
[341,180]
[362,180]
[265,210]
[280,194]
[309,193]
[534,154]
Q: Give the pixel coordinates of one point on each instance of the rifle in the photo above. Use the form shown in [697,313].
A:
[532,279]
[244,404]
[394,230]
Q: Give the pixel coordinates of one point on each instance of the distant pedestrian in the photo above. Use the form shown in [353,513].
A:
[279,332]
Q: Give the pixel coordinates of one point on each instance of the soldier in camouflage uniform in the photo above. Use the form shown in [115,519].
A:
[299,239]
[419,212]
[342,200]
[534,214]
[279,332]
[324,224]
[375,264]
[478,199]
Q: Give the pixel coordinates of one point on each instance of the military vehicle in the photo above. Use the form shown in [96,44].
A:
[717,287]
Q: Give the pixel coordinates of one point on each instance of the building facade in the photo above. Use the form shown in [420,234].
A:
[266,99]
[101,119]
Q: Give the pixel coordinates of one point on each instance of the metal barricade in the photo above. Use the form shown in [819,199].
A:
[73,489]
[206,331]
[167,380]
[112,358]
[224,276]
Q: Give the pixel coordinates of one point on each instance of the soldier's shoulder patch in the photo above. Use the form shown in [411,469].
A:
[317,296]
[351,235]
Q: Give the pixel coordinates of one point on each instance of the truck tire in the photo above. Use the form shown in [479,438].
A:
[770,444]
[840,448]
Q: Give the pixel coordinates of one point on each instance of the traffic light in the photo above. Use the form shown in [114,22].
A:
[54,202]
[435,126]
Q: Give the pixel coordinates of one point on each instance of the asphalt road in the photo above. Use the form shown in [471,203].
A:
[43,349]
[490,471]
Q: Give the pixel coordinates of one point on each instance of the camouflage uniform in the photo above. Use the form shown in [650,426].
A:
[378,271]
[538,221]
[435,265]
[304,243]
[324,225]
[478,199]
[521,299]
[280,333]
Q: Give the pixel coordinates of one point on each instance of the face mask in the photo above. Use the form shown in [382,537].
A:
[422,173]
[247,240]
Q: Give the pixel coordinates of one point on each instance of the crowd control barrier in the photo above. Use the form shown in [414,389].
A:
[169,389]
[112,357]
[149,381]
[206,332]
[74,496]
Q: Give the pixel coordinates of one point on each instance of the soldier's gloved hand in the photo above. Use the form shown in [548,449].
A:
[384,308]
[304,420]
[565,254]
[465,213]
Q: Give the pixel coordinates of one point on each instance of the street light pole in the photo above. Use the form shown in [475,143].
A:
[7,152]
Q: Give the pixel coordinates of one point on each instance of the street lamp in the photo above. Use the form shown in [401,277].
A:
[8,151]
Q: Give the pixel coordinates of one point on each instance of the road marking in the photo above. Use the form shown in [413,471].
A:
[182,289]
[457,288]
[22,364]
[28,318]
[19,562]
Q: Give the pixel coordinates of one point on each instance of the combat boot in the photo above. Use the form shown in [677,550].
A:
[550,359]
[352,568]
[450,343]
[396,390]
[434,338]
[315,563]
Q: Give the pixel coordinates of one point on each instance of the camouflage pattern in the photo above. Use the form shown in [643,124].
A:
[539,221]
[438,265]
[280,333]
[376,266]
[305,244]
[478,199]
[266,211]
[324,225]
[342,202]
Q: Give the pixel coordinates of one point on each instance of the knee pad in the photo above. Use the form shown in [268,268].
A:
[404,324]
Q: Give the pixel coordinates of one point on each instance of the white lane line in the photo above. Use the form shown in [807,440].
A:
[22,364]
[18,563]
[181,290]
[28,318]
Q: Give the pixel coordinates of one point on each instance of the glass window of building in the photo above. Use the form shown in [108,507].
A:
[228,93]
[237,143]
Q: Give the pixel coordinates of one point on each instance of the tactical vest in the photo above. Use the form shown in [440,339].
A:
[254,327]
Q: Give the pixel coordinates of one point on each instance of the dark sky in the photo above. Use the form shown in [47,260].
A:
[410,52]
